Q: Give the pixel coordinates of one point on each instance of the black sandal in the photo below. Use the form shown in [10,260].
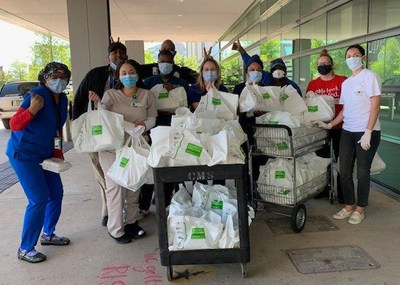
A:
[134,230]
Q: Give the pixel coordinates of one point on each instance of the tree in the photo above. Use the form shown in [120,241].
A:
[149,57]
[230,71]
[18,71]
[387,64]
[190,62]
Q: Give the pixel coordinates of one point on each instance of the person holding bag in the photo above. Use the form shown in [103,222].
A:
[138,106]
[36,136]
[360,97]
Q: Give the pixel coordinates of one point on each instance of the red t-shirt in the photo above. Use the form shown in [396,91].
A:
[332,88]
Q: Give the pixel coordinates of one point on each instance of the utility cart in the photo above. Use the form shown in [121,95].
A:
[202,256]
[280,141]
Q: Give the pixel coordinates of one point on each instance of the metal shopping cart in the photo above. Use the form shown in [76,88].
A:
[280,141]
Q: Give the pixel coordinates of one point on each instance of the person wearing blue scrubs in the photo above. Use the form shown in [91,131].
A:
[36,136]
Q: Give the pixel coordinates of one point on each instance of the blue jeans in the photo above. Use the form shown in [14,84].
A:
[350,150]
[44,191]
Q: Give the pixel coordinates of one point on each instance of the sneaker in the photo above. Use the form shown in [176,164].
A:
[145,212]
[122,239]
[342,214]
[53,240]
[31,256]
[134,230]
[356,218]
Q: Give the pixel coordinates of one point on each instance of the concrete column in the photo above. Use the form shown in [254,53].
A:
[135,50]
[88,22]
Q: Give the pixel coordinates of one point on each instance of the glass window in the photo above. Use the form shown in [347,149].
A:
[384,14]
[230,72]
[288,40]
[274,22]
[290,12]
[270,50]
[263,29]
[315,32]
[347,21]
[251,36]
[310,5]
[254,15]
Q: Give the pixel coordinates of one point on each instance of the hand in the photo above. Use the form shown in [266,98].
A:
[210,85]
[237,46]
[37,103]
[323,125]
[365,140]
[94,97]
[206,54]
[112,40]
[309,94]
[140,124]
[168,86]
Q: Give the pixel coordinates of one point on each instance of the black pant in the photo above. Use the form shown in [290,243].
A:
[350,150]
[146,193]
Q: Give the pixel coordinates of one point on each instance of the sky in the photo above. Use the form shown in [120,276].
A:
[16,44]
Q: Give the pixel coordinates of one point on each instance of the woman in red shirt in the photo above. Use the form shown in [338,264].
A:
[329,84]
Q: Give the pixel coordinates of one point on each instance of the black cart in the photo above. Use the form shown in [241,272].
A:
[202,256]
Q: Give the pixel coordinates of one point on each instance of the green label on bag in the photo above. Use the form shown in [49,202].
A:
[124,162]
[163,95]
[194,149]
[313,109]
[271,122]
[241,150]
[97,130]
[282,146]
[280,174]
[217,204]
[216,101]
[266,96]
[198,233]
[284,192]
[284,97]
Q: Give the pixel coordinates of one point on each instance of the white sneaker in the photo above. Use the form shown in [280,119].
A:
[342,214]
[356,218]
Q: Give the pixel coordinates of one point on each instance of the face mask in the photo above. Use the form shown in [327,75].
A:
[57,85]
[165,67]
[324,69]
[129,80]
[254,76]
[278,74]
[210,75]
[354,63]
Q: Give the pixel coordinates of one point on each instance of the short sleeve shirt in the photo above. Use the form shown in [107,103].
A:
[356,100]
[134,110]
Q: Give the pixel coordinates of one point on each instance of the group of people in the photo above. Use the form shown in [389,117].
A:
[123,86]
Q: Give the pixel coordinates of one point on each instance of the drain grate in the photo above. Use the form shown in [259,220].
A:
[281,225]
[7,174]
[331,259]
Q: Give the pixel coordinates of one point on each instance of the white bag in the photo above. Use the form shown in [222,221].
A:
[279,118]
[224,104]
[317,109]
[169,101]
[98,130]
[292,101]
[55,164]
[130,169]
[377,166]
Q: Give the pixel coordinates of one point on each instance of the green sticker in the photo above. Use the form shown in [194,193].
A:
[280,174]
[217,204]
[284,97]
[271,122]
[266,96]
[194,149]
[284,192]
[216,101]
[198,233]
[241,150]
[282,146]
[124,162]
[97,130]
[163,95]
[313,109]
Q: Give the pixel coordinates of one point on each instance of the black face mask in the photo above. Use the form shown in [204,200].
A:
[324,69]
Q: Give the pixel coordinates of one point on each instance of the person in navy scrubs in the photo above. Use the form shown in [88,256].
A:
[36,136]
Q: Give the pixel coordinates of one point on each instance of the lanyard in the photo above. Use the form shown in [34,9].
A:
[58,115]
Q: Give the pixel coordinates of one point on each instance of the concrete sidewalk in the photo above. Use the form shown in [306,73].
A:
[94,258]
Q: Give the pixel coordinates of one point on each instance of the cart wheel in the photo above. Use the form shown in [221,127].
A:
[299,216]
[170,273]
[243,266]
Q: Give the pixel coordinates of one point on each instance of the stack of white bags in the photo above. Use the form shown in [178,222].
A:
[207,218]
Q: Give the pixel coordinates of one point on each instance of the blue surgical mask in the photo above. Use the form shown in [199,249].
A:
[254,76]
[129,80]
[354,63]
[57,85]
[165,67]
[210,75]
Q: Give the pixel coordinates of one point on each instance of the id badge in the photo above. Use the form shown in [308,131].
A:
[57,143]
[137,105]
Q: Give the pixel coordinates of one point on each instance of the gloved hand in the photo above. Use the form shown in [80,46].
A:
[323,125]
[365,140]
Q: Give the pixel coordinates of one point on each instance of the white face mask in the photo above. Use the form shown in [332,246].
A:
[278,74]
[354,63]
